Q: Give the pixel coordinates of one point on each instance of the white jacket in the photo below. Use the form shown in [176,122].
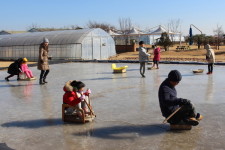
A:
[143,55]
[210,55]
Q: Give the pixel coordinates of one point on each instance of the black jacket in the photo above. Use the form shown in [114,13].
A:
[13,69]
[168,98]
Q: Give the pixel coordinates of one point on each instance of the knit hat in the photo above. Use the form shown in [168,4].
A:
[77,84]
[25,59]
[45,40]
[175,76]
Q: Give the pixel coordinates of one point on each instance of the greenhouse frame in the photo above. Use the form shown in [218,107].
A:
[83,44]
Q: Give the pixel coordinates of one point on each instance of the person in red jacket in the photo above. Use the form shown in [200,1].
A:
[74,94]
[156,58]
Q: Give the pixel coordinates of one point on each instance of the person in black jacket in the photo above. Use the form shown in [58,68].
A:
[169,102]
[14,69]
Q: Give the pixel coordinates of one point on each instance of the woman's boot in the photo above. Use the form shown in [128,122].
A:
[44,80]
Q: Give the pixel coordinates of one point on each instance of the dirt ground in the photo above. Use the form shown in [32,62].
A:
[177,55]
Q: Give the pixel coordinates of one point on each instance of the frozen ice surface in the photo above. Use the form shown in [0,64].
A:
[126,105]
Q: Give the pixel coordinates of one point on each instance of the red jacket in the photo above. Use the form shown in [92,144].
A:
[70,96]
[156,54]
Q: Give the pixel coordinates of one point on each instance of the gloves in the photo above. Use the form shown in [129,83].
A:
[184,102]
[88,91]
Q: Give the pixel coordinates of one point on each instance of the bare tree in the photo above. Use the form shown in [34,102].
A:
[103,26]
[125,25]
[174,25]
[33,26]
[219,35]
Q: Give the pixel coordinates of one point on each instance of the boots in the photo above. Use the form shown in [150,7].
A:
[41,81]
[44,80]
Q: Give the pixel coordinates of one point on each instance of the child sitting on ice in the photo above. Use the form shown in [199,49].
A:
[25,69]
[75,96]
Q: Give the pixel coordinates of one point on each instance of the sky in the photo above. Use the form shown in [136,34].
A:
[21,14]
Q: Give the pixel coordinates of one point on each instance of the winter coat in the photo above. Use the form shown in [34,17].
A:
[156,54]
[210,55]
[14,68]
[24,67]
[70,96]
[143,55]
[43,59]
[168,98]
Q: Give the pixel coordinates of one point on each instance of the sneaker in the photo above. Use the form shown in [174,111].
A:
[7,79]
[199,117]
[192,121]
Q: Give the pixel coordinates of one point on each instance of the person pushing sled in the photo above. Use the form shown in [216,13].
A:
[177,111]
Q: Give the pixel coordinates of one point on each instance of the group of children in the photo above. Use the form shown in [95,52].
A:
[144,57]
[18,67]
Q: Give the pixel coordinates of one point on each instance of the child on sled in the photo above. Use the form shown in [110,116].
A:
[25,69]
[75,96]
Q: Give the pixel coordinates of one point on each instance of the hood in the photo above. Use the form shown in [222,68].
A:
[68,87]
[207,47]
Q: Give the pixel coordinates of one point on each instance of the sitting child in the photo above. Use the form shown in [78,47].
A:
[75,96]
[25,68]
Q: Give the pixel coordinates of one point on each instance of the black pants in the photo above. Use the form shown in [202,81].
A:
[210,67]
[44,74]
[11,75]
[185,112]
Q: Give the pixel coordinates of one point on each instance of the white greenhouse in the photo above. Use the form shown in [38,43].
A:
[86,44]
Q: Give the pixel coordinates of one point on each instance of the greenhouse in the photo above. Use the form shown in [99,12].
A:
[86,44]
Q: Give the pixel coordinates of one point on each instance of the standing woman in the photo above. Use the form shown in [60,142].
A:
[43,61]
[210,57]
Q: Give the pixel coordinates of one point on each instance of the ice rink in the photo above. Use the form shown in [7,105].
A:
[126,105]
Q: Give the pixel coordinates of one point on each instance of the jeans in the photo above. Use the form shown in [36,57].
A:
[142,68]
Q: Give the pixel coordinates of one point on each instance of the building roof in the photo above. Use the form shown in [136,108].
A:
[55,37]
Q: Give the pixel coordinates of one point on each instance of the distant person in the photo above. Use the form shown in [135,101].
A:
[143,57]
[210,57]
[25,69]
[169,102]
[43,61]
[14,69]
[156,58]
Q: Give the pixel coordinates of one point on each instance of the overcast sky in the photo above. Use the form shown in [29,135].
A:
[20,14]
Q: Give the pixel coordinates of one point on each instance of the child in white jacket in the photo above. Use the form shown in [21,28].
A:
[143,57]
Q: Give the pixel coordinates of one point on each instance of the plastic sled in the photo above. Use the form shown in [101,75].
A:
[74,117]
[23,77]
[198,71]
[119,69]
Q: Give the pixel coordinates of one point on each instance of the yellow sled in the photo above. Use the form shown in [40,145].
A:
[119,69]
